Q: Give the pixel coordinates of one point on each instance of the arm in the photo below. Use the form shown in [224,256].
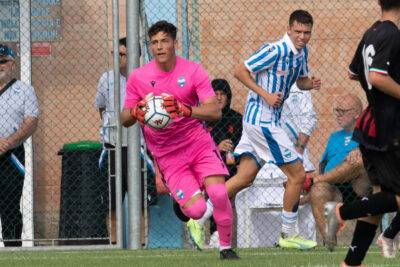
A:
[344,172]
[305,83]
[243,75]
[308,121]
[207,111]
[301,142]
[353,76]
[27,129]
[126,117]
[101,112]
[384,83]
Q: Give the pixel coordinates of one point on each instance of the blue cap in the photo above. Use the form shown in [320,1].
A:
[6,51]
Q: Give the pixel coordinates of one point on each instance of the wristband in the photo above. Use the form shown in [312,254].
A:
[187,112]
[299,145]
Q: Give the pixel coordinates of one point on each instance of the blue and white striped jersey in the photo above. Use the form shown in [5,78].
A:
[277,67]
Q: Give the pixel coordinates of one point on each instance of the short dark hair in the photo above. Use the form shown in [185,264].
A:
[389,4]
[301,16]
[122,41]
[163,26]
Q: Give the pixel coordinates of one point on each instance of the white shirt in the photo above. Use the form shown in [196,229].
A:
[298,116]
[18,102]
[105,99]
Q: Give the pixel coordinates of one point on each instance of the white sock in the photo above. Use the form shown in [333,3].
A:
[288,223]
[207,215]
[222,248]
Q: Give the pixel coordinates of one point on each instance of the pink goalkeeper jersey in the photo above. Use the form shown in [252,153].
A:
[189,83]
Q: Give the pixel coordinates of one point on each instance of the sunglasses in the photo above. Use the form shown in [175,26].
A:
[3,49]
[4,61]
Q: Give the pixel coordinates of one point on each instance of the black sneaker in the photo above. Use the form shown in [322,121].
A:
[228,254]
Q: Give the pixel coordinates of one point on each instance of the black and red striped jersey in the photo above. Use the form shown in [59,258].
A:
[378,128]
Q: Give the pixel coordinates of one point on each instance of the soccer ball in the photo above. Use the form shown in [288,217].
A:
[155,115]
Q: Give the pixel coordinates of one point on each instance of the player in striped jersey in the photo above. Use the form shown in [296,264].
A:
[276,66]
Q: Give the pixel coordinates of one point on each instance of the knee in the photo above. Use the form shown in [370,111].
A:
[196,210]
[217,193]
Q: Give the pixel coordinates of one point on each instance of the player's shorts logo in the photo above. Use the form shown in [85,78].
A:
[181,82]
[180,194]
[287,154]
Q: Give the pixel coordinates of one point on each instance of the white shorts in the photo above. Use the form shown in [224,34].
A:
[266,145]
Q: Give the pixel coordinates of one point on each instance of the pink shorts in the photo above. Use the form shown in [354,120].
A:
[184,170]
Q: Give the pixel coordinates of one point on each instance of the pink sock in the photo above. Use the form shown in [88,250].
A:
[197,210]
[222,212]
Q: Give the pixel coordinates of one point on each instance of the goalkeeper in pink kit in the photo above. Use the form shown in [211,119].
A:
[185,152]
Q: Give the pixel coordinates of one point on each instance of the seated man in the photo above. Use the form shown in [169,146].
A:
[343,177]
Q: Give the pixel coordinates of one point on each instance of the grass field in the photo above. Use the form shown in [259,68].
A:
[266,257]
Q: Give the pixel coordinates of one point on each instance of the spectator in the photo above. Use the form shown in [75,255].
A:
[226,134]
[19,117]
[227,131]
[105,103]
[340,179]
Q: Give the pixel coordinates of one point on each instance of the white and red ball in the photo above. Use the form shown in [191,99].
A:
[155,115]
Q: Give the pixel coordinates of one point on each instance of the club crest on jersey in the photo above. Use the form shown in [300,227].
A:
[287,153]
[181,82]
[180,194]
[17,90]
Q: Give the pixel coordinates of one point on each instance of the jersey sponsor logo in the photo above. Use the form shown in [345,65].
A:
[180,194]
[181,82]
[281,72]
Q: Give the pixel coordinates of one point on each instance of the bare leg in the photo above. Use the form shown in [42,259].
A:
[296,176]
[247,172]
[320,194]
[113,225]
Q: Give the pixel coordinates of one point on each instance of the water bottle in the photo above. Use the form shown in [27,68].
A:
[229,158]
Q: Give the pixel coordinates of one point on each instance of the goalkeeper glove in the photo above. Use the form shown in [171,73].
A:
[139,109]
[174,107]
[308,183]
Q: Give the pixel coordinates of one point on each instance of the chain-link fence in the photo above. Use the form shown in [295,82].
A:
[68,198]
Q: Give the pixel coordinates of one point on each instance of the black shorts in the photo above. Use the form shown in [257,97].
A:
[347,191]
[151,188]
[383,168]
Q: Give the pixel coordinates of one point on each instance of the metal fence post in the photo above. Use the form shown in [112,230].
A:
[134,166]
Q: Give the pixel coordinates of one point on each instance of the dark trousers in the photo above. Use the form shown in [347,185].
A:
[11,184]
